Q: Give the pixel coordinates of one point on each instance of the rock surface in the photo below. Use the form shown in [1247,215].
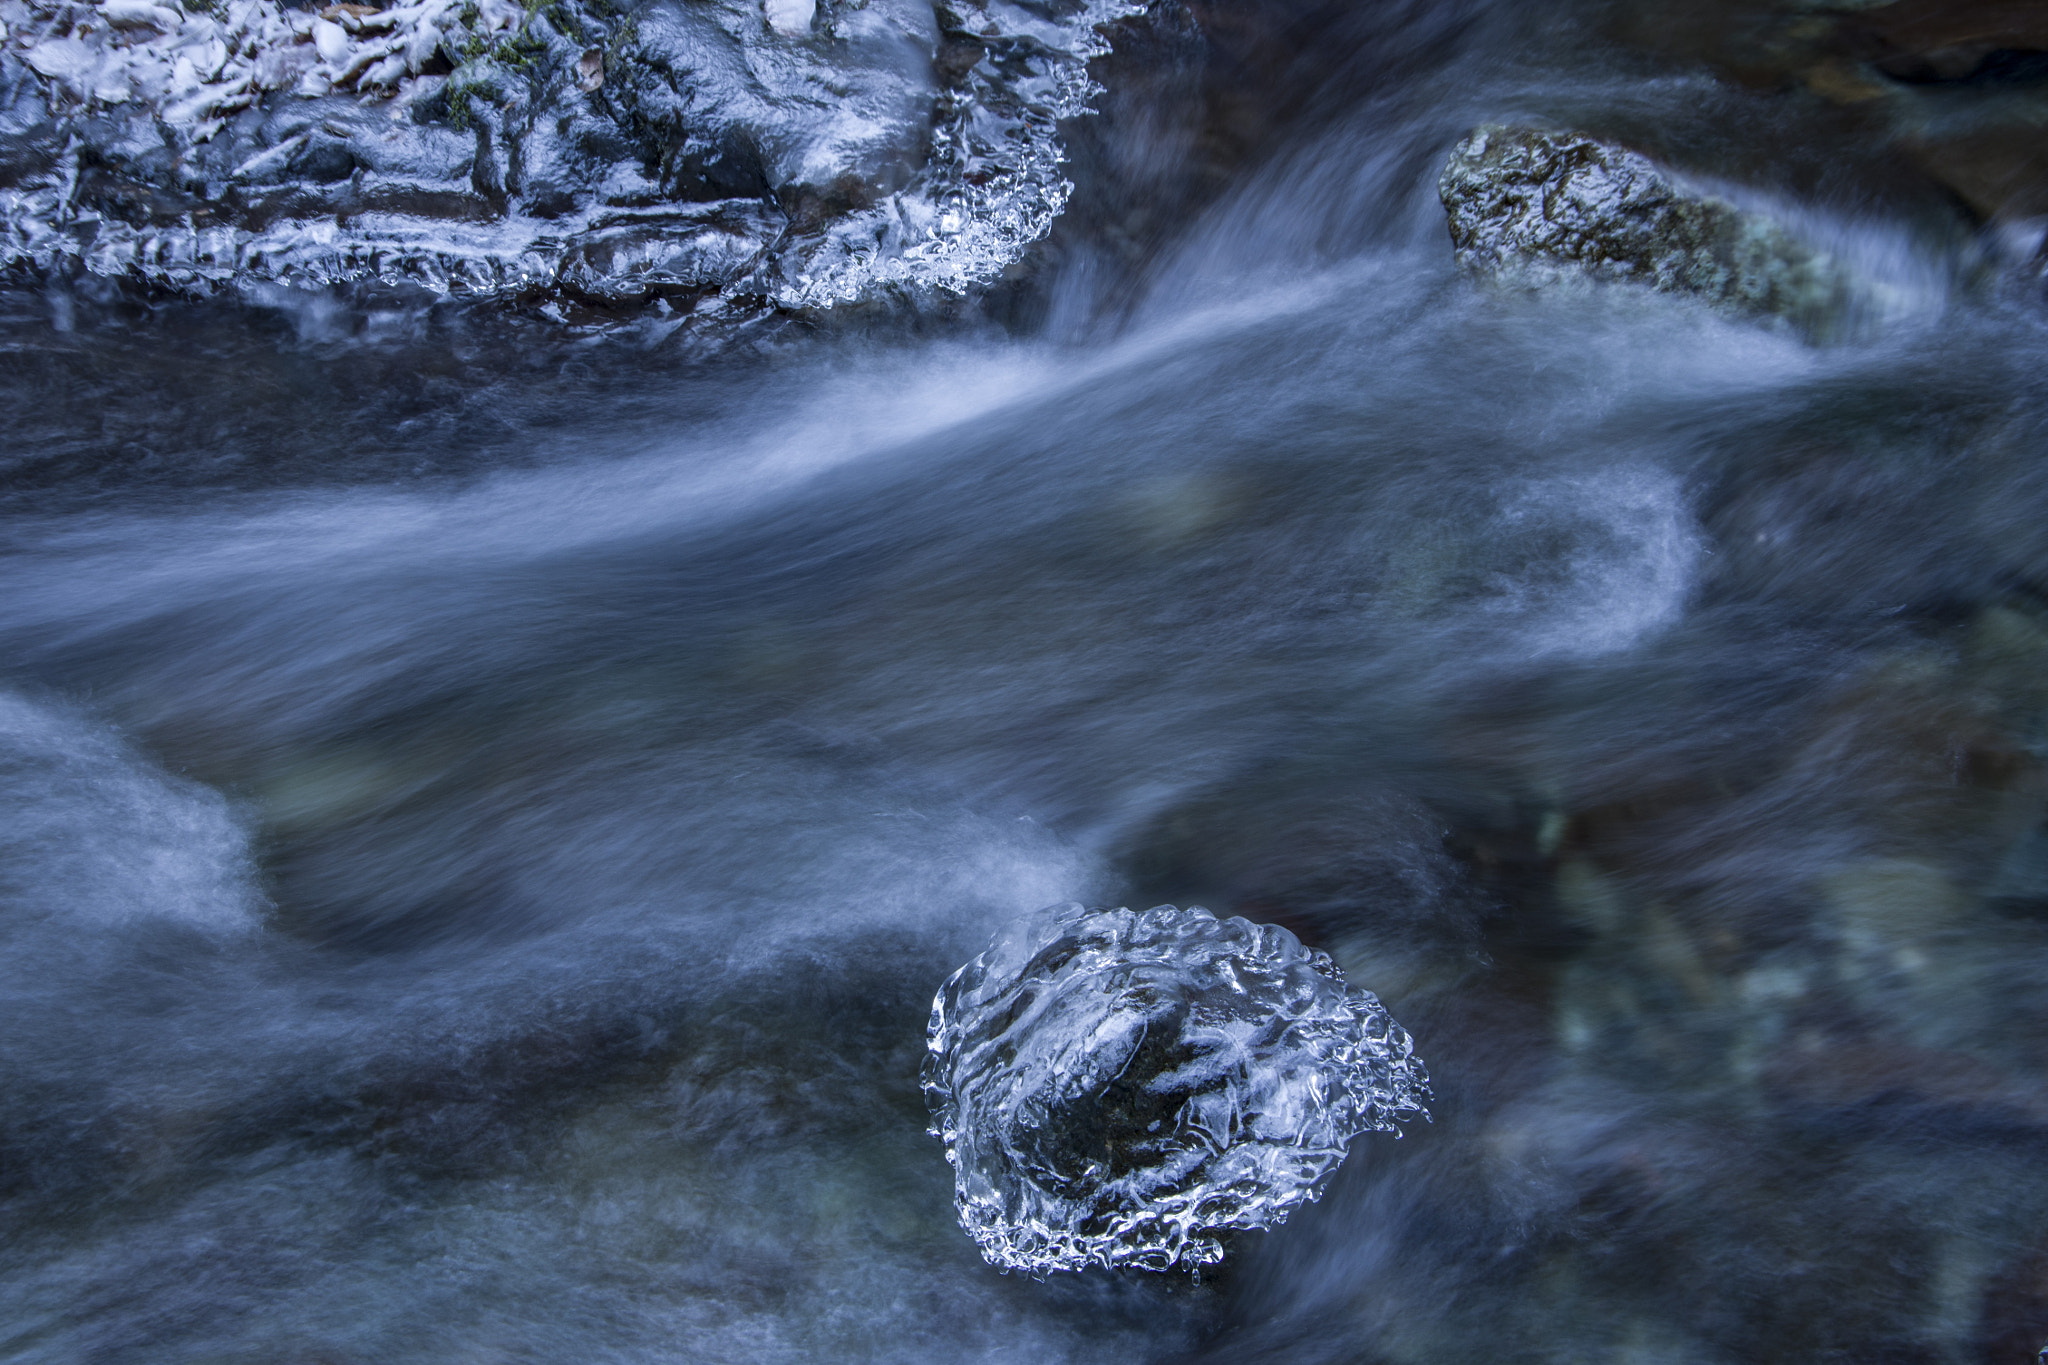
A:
[1118,1088]
[1530,206]
[721,152]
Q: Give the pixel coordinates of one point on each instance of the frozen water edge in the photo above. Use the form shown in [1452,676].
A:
[219,115]
[993,185]
[1117,1088]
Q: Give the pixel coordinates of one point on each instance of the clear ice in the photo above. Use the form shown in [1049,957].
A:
[1118,1088]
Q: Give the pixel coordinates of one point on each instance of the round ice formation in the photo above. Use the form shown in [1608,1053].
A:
[1117,1088]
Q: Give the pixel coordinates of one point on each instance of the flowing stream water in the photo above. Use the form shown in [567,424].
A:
[483,813]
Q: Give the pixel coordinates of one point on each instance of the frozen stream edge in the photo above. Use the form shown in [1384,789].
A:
[109,80]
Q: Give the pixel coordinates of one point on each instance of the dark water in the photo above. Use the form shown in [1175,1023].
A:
[485,811]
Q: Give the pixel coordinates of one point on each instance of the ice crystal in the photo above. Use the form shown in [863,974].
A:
[1119,1088]
[993,185]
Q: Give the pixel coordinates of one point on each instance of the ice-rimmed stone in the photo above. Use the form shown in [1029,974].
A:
[1118,1087]
[849,150]
[993,183]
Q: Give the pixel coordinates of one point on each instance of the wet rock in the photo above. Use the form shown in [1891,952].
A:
[712,153]
[1533,207]
[1948,88]
[1117,1088]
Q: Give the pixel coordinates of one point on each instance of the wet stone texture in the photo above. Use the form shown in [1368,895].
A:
[1120,1088]
[1533,207]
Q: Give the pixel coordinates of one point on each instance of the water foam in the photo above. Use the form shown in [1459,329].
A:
[94,835]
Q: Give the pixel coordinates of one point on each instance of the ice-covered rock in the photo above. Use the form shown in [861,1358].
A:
[700,151]
[992,184]
[1119,1087]
[1530,206]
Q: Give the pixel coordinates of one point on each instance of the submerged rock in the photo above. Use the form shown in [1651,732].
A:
[1118,1088]
[1533,207]
[771,152]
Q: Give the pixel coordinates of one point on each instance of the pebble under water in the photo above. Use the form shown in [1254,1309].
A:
[484,809]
